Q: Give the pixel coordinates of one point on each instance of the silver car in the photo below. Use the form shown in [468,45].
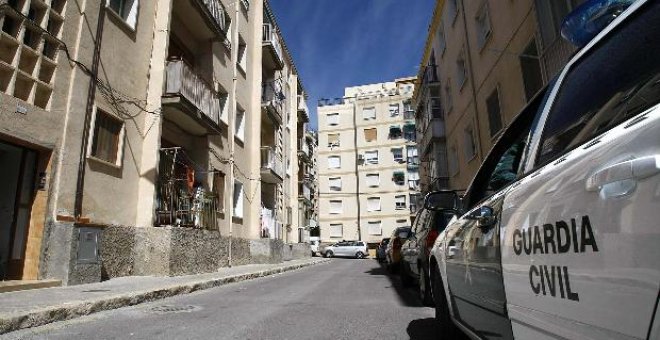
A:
[357,249]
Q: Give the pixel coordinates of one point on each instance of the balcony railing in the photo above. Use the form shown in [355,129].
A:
[179,202]
[271,41]
[430,74]
[435,130]
[216,14]
[182,81]
[303,147]
[272,97]
[304,190]
[271,164]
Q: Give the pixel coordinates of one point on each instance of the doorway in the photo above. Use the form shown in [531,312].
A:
[17,171]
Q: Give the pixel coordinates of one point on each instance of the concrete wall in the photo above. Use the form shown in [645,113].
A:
[296,251]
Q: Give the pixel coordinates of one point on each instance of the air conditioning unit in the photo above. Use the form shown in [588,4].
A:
[360,158]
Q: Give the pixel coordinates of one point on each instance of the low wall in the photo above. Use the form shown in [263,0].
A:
[296,251]
[266,251]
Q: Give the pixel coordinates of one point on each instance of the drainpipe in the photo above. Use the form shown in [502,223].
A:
[230,130]
[91,95]
[357,174]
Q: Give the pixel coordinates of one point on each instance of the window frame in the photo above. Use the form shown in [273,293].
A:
[341,207]
[121,136]
[130,17]
[368,160]
[338,157]
[497,93]
[332,122]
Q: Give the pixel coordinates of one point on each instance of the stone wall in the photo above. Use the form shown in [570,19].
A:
[296,251]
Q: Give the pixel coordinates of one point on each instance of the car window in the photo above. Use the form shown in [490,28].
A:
[441,219]
[616,80]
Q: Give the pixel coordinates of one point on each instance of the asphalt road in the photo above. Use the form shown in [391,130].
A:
[343,299]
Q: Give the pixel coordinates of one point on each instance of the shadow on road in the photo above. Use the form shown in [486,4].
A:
[407,296]
[422,329]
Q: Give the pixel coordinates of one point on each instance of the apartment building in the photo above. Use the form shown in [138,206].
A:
[482,62]
[130,136]
[368,162]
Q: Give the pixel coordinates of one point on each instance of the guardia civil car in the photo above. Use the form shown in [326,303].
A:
[558,235]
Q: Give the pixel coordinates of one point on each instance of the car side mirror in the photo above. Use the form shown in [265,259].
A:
[485,217]
[442,200]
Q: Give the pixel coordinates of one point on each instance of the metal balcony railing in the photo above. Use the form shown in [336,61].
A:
[270,161]
[182,81]
[271,39]
[272,96]
[435,130]
[430,74]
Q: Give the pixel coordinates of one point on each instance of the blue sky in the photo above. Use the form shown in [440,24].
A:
[340,43]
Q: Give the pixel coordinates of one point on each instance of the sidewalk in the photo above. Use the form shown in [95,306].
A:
[38,307]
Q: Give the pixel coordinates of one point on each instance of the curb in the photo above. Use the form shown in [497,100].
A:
[43,316]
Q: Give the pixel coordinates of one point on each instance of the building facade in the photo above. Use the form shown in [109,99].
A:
[368,162]
[133,148]
[483,62]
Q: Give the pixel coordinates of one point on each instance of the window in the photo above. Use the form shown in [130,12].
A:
[334,162]
[373,204]
[397,153]
[494,114]
[609,85]
[333,140]
[412,156]
[219,190]
[413,179]
[333,119]
[483,24]
[369,113]
[375,228]
[334,183]
[336,207]
[530,66]
[469,146]
[409,133]
[373,180]
[399,177]
[240,124]
[394,110]
[107,138]
[242,55]
[238,200]
[447,98]
[371,157]
[370,135]
[461,71]
[415,201]
[336,230]
[395,132]
[453,160]
[400,202]
[442,42]
[126,9]
[223,98]
[452,10]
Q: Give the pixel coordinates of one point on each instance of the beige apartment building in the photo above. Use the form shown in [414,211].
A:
[130,137]
[482,62]
[368,162]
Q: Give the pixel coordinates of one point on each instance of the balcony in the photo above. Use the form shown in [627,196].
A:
[272,169]
[435,131]
[272,48]
[303,149]
[272,99]
[302,108]
[305,191]
[189,101]
[214,14]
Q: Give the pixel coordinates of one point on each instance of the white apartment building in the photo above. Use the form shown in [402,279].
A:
[368,162]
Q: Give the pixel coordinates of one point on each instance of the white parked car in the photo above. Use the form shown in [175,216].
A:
[357,249]
[557,236]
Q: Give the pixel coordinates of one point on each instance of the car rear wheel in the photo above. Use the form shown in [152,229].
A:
[329,254]
[359,255]
[446,327]
[425,288]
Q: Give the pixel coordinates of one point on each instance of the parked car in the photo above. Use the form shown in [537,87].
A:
[381,250]
[557,234]
[416,249]
[393,252]
[357,249]
[314,244]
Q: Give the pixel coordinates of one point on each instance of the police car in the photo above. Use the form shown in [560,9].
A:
[558,235]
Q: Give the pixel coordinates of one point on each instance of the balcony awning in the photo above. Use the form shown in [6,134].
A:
[395,127]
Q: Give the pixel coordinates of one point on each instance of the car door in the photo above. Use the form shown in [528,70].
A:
[409,250]
[581,254]
[473,248]
[340,248]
